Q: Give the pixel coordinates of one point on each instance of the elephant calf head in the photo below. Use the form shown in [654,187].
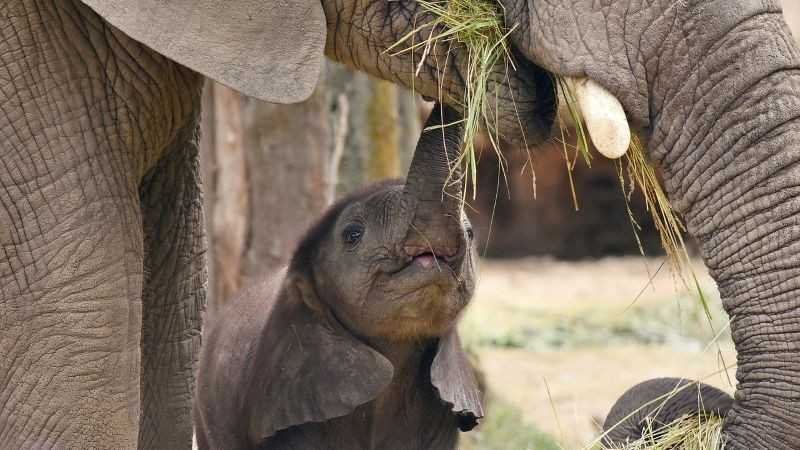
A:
[354,344]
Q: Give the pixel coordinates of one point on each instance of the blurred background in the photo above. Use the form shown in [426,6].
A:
[567,315]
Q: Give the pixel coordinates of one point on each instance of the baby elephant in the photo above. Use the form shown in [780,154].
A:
[354,345]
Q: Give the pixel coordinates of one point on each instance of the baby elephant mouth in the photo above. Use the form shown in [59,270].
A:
[432,257]
[427,260]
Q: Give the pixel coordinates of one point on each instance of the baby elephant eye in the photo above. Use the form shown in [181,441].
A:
[352,234]
[470,233]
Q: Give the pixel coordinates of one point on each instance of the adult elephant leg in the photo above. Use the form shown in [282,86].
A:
[70,309]
[85,112]
[70,243]
[174,295]
[70,287]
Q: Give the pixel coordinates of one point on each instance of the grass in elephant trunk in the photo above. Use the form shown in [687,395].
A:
[478,25]
[687,433]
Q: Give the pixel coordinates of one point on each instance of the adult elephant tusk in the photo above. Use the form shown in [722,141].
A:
[605,119]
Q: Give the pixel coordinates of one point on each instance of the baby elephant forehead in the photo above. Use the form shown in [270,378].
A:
[385,205]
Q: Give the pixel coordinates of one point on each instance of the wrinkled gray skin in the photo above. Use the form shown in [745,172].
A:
[713,85]
[354,346]
[655,403]
[102,271]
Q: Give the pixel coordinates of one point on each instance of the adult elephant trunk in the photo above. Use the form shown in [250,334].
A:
[728,142]
[434,186]
[364,34]
[731,162]
[714,87]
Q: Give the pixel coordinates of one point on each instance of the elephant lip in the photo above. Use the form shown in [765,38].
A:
[427,260]
[414,277]
[428,257]
[426,268]
[428,264]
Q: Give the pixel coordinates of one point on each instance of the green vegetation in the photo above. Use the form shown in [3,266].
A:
[680,323]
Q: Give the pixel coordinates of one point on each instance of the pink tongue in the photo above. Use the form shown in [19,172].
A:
[426,261]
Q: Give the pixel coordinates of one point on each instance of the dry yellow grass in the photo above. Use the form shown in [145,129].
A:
[687,433]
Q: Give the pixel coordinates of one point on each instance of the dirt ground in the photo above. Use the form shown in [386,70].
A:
[574,328]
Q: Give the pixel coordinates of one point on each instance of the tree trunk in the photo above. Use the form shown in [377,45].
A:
[288,156]
[227,180]
[381,127]
[271,169]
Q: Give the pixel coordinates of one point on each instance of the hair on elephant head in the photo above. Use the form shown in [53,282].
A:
[354,345]
[657,403]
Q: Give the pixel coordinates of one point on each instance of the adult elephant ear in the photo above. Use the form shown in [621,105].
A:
[454,379]
[307,367]
[271,50]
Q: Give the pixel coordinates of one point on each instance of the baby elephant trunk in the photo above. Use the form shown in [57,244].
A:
[434,187]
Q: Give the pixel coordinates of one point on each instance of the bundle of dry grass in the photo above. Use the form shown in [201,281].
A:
[688,433]
[478,26]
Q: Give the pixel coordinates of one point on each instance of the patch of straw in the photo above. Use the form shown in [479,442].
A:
[686,433]
[690,432]
[478,26]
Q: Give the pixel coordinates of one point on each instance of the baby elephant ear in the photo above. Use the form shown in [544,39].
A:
[308,368]
[454,379]
[268,49]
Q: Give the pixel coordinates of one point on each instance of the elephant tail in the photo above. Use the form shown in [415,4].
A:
[658,402]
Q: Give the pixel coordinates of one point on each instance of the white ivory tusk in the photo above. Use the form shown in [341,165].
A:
[604,117]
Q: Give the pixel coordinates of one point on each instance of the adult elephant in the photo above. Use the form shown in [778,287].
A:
[102,273]
[714,85]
